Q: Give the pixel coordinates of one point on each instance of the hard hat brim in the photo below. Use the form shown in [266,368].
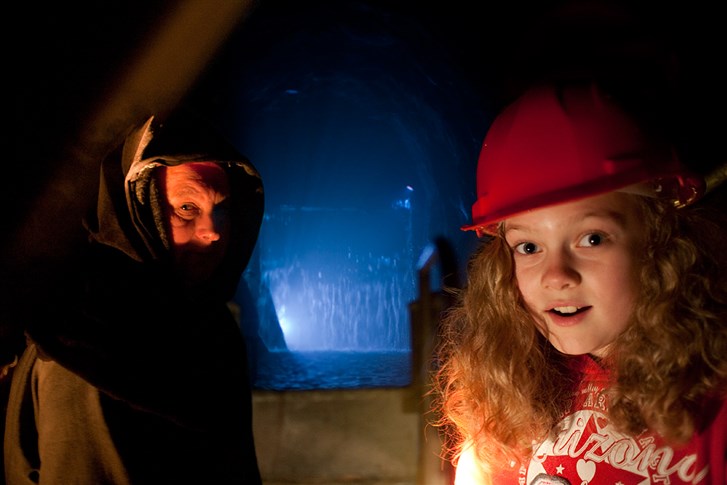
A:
[681,189]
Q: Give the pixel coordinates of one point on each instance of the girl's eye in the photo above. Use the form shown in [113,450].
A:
[526,248]
[592,239]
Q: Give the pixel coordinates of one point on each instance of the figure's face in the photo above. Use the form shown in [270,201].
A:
[575,265]
[197,206]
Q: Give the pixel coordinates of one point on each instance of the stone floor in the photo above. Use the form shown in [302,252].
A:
[363,436]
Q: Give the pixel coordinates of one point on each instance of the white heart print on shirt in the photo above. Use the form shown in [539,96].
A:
[586,470]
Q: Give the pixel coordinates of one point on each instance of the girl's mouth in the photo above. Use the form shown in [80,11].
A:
[567,315]
[568,311]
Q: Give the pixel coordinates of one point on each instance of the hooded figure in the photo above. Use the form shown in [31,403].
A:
[133,374]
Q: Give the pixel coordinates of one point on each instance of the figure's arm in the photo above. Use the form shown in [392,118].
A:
[126,329]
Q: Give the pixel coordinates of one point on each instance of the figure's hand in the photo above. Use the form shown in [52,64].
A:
[6,368]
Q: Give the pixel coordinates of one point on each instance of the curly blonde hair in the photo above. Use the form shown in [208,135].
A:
[502,386]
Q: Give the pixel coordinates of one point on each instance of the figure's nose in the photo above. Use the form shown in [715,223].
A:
[560,271]
[206,230]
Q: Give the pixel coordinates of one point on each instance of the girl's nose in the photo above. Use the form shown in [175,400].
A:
[560,271]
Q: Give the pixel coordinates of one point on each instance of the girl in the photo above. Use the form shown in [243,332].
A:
[590,343]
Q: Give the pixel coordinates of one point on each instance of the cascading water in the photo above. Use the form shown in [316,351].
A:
[343,289]
[334,295]
[340,311]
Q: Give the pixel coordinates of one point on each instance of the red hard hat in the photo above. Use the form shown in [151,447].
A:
[560,143]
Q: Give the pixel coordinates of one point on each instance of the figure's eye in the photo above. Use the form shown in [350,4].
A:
[591,239]
[526,248]
[187,211]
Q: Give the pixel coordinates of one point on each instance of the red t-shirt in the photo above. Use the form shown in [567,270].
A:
[588,451]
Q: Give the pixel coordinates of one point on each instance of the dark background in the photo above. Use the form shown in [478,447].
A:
[63,57]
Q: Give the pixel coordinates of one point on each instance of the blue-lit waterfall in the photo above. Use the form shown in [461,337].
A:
[340,309]
[332,287]
[340,279]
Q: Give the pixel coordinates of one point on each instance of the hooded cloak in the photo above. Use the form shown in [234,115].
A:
[131,377]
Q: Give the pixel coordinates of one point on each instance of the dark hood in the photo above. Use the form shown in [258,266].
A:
[129,212]
[119,316]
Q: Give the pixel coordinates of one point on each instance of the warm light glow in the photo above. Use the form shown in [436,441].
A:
[468,472]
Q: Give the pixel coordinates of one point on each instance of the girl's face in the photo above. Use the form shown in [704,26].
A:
[575,265]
